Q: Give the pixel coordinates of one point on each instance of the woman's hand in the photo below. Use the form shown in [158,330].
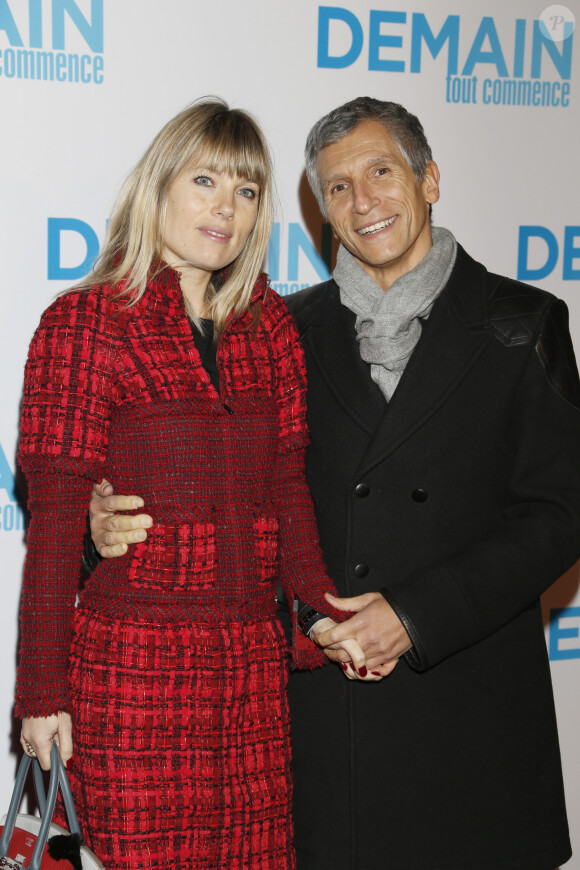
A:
[39,732]
[354,662]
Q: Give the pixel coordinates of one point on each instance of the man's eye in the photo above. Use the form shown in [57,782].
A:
[338,187]
[382,170]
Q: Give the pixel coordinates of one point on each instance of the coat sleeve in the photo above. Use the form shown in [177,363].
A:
[302,572]
[63,438]
[463,599]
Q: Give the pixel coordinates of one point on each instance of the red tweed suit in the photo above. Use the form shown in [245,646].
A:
[173,665]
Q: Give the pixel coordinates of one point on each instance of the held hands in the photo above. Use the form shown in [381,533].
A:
[39,732]
[375,627]
[352,659]
[111,533]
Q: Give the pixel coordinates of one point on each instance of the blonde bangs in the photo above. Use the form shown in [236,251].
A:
[237,150]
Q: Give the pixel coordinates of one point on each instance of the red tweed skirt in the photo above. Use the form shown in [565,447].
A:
[181,744]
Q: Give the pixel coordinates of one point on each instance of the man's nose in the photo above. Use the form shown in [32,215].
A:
[364,197]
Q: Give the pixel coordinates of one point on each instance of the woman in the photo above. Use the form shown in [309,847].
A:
[170,675]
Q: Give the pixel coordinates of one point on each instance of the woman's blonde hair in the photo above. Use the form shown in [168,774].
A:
[230,141]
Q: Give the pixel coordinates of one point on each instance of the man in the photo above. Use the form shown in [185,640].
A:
[444,465]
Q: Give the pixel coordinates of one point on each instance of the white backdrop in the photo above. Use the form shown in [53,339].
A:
[85,84]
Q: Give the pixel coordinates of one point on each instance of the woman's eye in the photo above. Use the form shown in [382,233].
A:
[249,192]
[204,180]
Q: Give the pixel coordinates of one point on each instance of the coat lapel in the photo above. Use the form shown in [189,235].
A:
[330,340]
[449,345]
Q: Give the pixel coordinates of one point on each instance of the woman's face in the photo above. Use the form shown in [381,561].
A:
[208,218]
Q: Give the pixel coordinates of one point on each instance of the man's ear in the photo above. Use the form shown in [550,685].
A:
[430,183]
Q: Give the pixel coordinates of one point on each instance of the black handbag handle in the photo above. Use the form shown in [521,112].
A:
[46,803]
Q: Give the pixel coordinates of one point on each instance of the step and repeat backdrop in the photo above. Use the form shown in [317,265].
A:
[85,84]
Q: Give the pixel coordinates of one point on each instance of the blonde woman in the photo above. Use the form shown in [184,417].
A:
[176,373]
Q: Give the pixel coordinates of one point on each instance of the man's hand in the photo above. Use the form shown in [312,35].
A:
[375,626]
[112,534]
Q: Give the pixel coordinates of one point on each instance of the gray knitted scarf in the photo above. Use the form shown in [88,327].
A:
[388,324]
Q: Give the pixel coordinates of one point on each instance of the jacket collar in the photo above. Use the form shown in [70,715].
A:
[451,343]
[328,332]
[164,289]
[469,289]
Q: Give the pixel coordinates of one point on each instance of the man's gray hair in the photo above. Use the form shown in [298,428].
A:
[405,128]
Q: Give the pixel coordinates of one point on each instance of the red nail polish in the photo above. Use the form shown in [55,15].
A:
[343,666]
[362,671]
[375,673]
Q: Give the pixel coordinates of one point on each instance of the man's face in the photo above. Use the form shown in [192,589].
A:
[376,206]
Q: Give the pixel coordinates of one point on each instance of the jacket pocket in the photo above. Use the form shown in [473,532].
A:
[182,556]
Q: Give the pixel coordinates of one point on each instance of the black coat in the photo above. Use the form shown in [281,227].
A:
[470,509]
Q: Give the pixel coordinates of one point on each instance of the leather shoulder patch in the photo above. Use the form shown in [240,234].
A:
[516,310]
[520,314]
[556,353]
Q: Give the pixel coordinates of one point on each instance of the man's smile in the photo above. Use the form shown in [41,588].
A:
[374,228]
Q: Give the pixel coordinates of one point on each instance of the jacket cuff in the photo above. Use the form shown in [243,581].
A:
[305,654]
[90,556]
[416,657]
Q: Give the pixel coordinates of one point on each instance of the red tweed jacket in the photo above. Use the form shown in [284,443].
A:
[121,393]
